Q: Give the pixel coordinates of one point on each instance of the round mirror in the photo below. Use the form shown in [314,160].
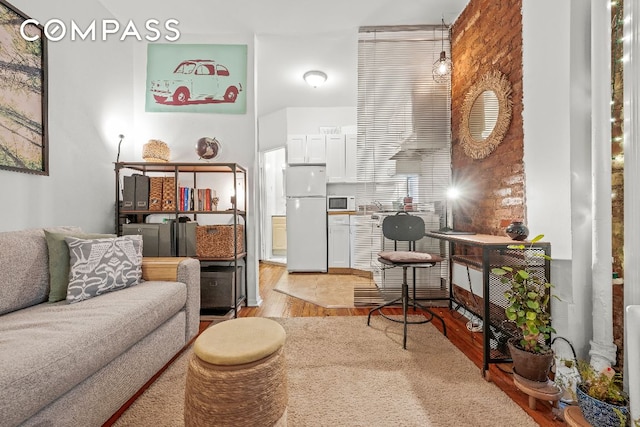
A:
[486,115]
[483,115]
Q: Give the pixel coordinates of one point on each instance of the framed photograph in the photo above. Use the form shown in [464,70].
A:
[196,78]
[23,94]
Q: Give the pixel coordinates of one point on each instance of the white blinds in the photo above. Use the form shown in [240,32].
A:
[404,119]
[404,131]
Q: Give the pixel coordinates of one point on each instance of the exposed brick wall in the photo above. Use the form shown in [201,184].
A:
[488,36]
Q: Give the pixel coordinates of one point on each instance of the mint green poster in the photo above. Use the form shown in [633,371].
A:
[196,78]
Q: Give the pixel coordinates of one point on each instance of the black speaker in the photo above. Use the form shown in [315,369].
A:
[216,288]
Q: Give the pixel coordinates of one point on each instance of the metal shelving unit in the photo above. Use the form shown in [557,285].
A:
[484,252]
[177,169]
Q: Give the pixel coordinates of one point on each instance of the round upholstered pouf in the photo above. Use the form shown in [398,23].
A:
[237,375]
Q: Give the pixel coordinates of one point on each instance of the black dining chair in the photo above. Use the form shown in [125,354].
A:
[404,227]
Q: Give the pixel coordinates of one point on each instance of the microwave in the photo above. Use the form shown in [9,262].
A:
[341,203]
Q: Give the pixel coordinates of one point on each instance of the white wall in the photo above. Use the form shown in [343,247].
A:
[90,103]
[284,59]
[272,130]
[556,119]
[308,120]
[235,132]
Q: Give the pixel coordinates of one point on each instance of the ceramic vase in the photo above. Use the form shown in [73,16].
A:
[517,230]
[599,413]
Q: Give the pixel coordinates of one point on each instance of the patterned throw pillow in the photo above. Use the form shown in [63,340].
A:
[59,260]
[98,266]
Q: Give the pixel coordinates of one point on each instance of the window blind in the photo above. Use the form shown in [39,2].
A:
[404,132]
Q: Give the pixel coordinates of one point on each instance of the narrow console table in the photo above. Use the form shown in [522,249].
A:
[484,252]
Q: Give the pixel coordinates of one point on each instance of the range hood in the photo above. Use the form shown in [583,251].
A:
[408,162]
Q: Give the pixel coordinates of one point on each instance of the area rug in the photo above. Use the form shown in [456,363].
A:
[325,290]
[343,373]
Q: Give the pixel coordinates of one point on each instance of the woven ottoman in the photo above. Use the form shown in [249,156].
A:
[237,376]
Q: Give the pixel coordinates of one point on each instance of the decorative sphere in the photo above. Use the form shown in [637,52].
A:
[207,148]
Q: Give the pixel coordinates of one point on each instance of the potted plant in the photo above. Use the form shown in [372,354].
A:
[599,394]
[528,297]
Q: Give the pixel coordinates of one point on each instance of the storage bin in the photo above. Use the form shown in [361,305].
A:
[216,288]
[156,238]
[216,241]
[186,238]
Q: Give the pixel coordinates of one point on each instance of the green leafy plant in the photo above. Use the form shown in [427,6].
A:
[528,299]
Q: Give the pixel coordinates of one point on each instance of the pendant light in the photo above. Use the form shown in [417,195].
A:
[443,66]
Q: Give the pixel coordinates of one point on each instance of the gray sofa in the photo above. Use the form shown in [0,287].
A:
[76,364]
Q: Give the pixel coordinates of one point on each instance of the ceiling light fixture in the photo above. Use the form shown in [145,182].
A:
[315,78]
[443,66]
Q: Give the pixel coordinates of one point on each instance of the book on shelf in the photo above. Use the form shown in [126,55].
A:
[196,199]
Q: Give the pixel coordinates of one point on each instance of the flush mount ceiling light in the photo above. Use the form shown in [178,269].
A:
[315,78]
[443,66]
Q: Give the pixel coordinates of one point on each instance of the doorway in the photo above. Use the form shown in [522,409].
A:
[273,215]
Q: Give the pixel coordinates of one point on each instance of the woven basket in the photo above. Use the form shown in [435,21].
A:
[168,193]
[156,151]
[216,241]
[155,193]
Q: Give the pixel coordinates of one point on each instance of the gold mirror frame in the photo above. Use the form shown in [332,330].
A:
[498,83]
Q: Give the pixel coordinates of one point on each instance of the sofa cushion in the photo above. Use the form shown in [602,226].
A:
[59,261]
[98,266]
[47,349]
[24,276]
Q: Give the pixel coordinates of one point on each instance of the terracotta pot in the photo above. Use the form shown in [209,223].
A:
[532,366]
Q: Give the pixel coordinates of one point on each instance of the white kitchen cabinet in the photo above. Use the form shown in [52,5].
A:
[296,149]
[339,241]
[366,239]
[279,235]
[306,149]
[351,158]
[341,158]
[335,158]
[316,149]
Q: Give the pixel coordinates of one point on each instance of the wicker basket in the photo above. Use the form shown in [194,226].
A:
[168,193]
[156,151]
[216,241]
[155,193]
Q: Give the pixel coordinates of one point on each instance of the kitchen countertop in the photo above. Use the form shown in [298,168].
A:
[342,213]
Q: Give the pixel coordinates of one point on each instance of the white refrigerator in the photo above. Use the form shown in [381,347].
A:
[306,189]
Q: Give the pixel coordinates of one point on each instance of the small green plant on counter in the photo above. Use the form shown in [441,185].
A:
[528,300]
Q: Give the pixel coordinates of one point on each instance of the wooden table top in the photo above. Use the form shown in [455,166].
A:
[478,239]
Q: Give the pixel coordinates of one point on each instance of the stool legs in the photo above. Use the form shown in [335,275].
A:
[405,300]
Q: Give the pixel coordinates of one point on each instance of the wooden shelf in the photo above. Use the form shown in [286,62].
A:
[183,167]
[146,212]
[240,256]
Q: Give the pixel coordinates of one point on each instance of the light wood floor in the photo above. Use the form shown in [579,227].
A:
[276,304]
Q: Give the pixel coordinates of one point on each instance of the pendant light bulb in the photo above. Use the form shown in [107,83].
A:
[443,66]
